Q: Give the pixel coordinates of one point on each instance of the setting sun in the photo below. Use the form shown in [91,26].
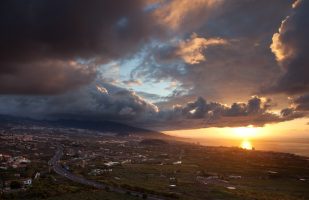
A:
[246,133]
[246,144]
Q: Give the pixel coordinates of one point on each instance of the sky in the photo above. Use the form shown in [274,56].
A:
[169,65]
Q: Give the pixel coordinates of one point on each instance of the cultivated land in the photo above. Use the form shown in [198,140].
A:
[66,163]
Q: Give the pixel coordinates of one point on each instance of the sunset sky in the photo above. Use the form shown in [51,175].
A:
[179,66]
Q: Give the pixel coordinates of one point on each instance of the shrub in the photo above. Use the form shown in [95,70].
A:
[15,185]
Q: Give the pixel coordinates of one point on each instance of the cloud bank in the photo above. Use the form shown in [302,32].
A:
[96,101]
[202,114]
[57,60]
[103,101]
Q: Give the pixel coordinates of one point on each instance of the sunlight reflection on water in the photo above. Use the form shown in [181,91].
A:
[296,146]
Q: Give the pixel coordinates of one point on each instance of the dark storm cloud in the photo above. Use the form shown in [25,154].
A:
[102,101]
[98,31]
[290,45]
[254,106]
[43,37]
[240,59]
[200,108]
[302,102]
[215,49]
[246,18]
[95,101]
[216,73]
[45,77]
[203,114]
[287,111]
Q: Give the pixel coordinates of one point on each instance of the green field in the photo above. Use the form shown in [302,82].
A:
[204,173]
[252,166]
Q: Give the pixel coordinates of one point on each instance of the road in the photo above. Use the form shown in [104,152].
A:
[55,163]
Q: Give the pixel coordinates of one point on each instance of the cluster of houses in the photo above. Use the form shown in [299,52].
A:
[15,181]
[14,162]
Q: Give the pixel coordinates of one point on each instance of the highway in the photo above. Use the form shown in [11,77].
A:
[55,163]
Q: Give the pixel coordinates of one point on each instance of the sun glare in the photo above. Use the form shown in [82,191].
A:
[245,132]
[246,144]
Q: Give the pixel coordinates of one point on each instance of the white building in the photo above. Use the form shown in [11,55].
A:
[27,182]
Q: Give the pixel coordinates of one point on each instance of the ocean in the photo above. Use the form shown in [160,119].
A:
[299,146]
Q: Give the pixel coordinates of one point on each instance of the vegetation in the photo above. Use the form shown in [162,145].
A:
[164,168]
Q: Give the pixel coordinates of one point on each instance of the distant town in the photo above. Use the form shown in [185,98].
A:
[34,159]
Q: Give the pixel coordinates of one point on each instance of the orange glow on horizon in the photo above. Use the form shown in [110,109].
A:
[246,144]
[245,132]
[297,128]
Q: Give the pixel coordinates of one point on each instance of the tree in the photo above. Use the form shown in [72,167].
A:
[107,189]
[15,185]
[144,196]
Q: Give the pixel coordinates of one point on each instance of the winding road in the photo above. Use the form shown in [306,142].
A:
[55,163]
